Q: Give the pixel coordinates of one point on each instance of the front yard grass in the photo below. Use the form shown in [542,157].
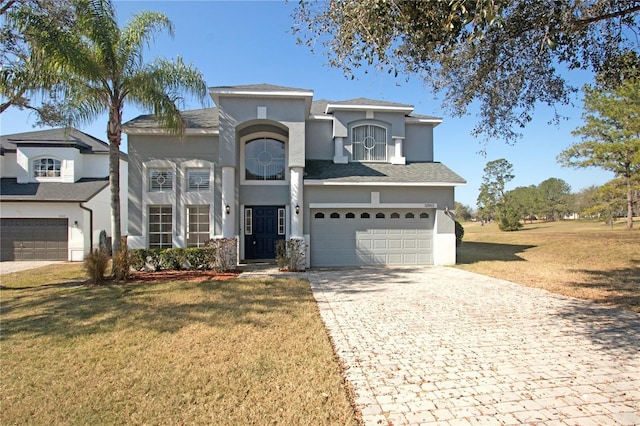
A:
[587,260]
[212,352]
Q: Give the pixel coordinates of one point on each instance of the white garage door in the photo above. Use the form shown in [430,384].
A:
[357,237]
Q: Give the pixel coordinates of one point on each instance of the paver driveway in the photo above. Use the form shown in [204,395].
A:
[444,346]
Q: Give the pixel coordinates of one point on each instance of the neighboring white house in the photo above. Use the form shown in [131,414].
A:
[54,194]
[354,180]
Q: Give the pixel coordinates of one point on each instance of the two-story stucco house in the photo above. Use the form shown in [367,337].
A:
[55,194]
[355,180]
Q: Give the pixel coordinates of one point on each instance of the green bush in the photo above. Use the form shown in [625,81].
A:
[510,220]
[95,263]
[195,258]
[459,233]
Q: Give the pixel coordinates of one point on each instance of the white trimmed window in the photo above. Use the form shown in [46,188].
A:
[369,143]
[197,226]
[281,221]
[265,159]
[160,180]
[248,221]
[160,226]
[198,179]
[47,167]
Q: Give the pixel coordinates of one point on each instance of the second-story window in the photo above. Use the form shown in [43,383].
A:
[368,143]
[46,167]
[265,159]
[197,180]
[160,180]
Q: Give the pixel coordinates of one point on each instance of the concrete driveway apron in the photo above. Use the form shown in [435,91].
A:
[444,346]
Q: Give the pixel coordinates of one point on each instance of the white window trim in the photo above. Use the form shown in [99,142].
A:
[260,135]
[161,172]
[192,198]
[379,124]
[196,164]
[282,221]
[173,223]
[167,198]
[158,164]
[32,169]
[186,221]
[248,221]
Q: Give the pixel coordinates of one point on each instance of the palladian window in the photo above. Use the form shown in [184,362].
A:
[369,143]
[46,167]
[265,159]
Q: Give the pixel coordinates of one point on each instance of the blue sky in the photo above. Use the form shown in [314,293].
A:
[247,42]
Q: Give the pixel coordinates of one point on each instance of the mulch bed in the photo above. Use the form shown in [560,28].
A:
[196,276]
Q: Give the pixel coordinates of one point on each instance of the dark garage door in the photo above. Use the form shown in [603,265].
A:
[34,239]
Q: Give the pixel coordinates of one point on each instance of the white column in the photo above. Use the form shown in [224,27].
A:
[398,157]
[228,199]
[338,151]
[297,206]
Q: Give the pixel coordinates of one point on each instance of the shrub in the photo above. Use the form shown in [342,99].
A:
[194,258]
[121,262]
[168,260]
[459,233]
[510,220]
[224,253]
[95,263]
[290,255]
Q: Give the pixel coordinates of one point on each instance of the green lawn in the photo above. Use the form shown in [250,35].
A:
[587,260]
[212,352]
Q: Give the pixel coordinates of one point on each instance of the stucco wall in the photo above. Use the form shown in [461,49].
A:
[8,166]
[319,141]
[95,165]
[70,163]
[143,148]
[343,119]
[237,110]
[418,143]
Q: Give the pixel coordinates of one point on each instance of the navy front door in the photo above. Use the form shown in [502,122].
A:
[262,230]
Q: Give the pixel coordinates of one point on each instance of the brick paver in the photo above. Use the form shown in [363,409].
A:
[444,346]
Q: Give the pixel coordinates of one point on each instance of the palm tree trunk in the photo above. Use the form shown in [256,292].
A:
[114,134]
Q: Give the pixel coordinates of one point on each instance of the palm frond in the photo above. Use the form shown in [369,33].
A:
[160,87]
[138,33]
[97,23]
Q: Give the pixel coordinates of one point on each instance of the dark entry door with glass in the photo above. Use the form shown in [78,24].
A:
[263,227]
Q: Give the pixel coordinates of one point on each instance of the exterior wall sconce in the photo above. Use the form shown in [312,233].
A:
[75,224]
[297,209]
[227,209]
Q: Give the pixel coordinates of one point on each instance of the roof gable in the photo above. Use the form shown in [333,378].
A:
[64,137]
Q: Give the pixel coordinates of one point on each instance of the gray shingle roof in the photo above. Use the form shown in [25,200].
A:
[371,102]
[262,87]
[208,118]
[416,172]
[61,137]
[82,190]
[205,118]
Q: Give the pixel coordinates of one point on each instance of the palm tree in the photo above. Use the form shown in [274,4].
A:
[103,68]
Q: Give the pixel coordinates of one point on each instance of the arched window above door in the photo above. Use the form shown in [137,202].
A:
[265,159]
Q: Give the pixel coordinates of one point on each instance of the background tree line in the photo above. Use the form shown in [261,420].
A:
[551,200]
